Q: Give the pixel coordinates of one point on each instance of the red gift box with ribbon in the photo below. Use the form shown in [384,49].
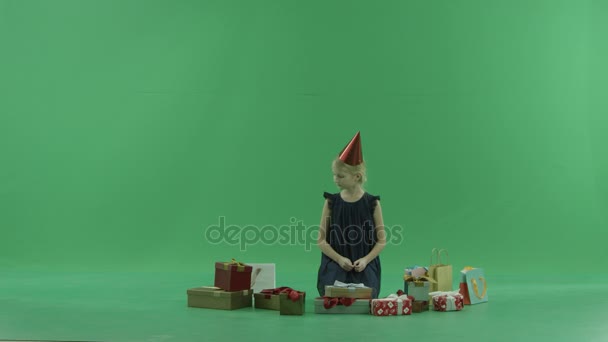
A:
[393,305]
[232,276]
[447,301]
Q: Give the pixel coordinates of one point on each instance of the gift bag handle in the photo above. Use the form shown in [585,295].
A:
[476,288]
[437,253]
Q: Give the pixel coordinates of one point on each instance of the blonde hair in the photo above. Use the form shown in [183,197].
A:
[353,170]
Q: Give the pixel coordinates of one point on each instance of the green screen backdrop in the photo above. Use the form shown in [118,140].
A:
[128,128]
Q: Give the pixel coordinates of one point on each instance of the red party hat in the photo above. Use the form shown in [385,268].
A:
[351,154]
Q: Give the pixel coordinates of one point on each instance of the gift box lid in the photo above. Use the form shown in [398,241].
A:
[211,291]
[233,266]
[363,289]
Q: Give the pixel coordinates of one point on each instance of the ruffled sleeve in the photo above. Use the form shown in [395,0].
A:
[330,199]
[373,202]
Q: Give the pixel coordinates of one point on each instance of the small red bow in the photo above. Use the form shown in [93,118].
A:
[291,293]
[401,293]
[330,302]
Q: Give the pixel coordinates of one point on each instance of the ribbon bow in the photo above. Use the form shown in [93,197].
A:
[419,280]
[330,302]
[449,294]
[338,283]
[239,265]
[400,296]
[291,293]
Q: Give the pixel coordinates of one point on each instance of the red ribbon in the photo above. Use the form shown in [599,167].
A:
[401,293]
[330,302]
[291,293]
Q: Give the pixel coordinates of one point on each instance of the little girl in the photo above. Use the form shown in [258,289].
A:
[351,234]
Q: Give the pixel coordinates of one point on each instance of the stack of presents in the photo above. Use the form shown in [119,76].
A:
[425,288]
[431,287]
[235,285]
[341,298]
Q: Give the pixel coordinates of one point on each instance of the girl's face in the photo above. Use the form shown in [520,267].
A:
[345,180]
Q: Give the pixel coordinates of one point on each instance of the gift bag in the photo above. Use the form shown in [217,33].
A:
[476,285]
[442,273]
[464,291]
[462,287]
[262,277]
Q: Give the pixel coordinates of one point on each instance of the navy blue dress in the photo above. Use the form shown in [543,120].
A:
[351,233]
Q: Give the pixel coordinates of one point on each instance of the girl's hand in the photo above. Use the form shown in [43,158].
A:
[360,264]
[345,263]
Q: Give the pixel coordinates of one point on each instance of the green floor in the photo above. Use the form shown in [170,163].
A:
[152,307]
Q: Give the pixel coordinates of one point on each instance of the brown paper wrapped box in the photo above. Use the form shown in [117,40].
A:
[420,306]
[289,307]
[215,298]
[348,292]
[266,301]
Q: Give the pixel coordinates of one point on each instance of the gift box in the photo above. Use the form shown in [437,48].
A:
[416,271]
[292,302]
[343,290]
[232,276]
[332,305]
[269,298]
[420,306]
[216,298]
[447,301]
[417,287]
[392,305]
[265,301]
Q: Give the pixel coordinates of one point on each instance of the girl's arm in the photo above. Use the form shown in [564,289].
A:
[345,263]
[380,233]
[380,241]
